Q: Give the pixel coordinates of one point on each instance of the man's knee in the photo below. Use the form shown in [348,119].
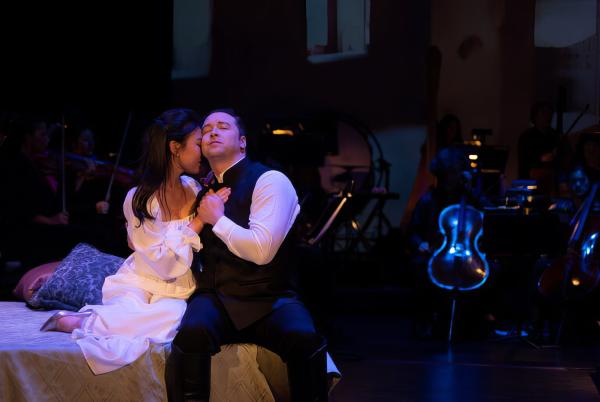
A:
[303,344]
[196,338]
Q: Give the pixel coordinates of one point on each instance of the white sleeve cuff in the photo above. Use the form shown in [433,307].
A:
[223,227]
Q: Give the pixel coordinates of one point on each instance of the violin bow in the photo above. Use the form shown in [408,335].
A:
[114,173]
[62,164]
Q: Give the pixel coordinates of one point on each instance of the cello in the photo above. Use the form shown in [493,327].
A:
[576,273]
[459,264]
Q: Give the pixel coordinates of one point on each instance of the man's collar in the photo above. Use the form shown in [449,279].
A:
[219,177]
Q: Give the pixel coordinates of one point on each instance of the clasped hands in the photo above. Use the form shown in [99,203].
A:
[211,208]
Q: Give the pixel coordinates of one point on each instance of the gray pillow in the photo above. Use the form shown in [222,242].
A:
[78,280]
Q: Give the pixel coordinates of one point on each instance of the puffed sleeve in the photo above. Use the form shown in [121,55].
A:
[167,249]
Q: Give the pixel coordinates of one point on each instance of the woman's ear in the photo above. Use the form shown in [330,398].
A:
[174,147]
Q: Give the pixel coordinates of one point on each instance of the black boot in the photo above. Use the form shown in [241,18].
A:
[308,378]
[174,375]
[196,377]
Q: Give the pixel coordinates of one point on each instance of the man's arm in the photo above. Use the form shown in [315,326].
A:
[272,213]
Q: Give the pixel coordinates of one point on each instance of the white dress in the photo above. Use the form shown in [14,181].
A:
[146,299]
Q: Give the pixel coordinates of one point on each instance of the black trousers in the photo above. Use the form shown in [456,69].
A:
[287,331]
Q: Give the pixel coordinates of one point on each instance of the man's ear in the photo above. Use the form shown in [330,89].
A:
[243,143]
[174,147]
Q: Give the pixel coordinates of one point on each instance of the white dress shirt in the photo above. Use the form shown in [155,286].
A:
[273,211]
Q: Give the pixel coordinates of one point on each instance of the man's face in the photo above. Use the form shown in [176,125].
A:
[543,118]
[579,183]
[221,137]
[85,143]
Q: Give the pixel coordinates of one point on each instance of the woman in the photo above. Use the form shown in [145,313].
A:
[145,300]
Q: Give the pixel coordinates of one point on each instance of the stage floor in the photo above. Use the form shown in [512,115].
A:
[381,362]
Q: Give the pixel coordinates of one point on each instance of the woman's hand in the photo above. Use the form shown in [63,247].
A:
[224,193]
[197,223]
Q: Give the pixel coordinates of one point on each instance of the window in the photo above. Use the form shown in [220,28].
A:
[337,29]
[191,38]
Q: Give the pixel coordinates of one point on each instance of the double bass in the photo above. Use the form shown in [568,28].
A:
[459,264]
[576,273]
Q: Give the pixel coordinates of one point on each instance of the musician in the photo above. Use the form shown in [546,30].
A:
[538,144]
[453,177]
[588,154]
[578,188]
[542,154]
[448,132]
[86,186]
[30,205]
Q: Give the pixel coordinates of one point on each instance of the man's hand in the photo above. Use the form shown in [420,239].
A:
[212,206]
[547,157]
[102,207]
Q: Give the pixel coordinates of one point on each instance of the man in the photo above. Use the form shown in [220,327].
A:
[542,154]
[537,144]
[243,274]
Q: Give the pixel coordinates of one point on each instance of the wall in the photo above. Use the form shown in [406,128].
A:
[259,66]
[488,81]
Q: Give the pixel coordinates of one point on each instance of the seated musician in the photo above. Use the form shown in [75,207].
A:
[30,208]
[451,169]
[542,155]
[578,188]
[85,190]
[88,182]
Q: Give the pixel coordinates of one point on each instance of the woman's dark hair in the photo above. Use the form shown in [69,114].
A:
[442,128]
[172,125]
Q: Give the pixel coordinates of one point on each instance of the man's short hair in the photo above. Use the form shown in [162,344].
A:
[538,107]
[238,120]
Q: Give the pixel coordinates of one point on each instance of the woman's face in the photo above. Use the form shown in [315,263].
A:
[39,139]
[451,134]
[189,154]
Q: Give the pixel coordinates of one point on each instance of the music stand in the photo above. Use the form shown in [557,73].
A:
[330,214]
[325,224]
[521,237]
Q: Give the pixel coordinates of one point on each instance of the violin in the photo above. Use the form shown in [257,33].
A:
[576,273]
[458,264]
[84,168]
[89,168]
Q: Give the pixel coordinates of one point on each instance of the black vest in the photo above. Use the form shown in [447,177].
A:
[247,290]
